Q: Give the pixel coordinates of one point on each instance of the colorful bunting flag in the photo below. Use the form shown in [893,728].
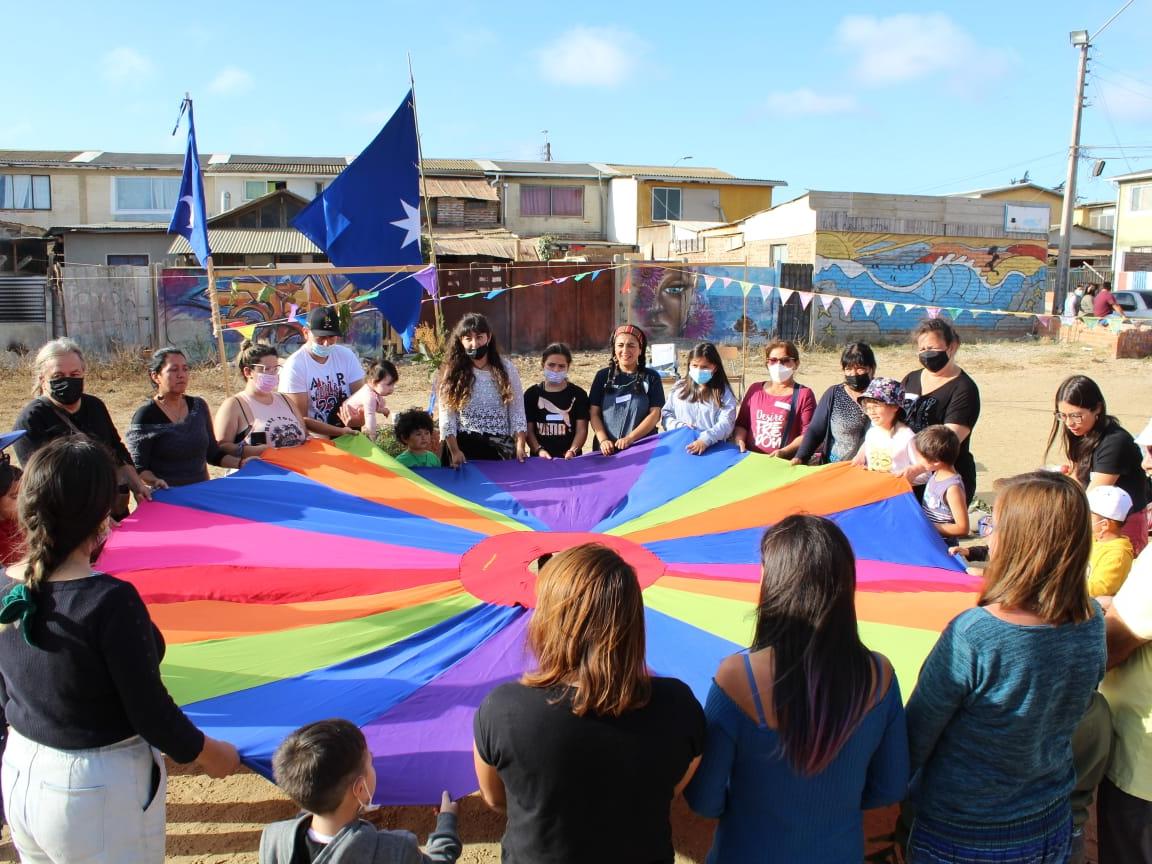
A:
[745,288]
[827,300]
[805,298]
[890,308]
[868,306]
[765,292]
[785,295]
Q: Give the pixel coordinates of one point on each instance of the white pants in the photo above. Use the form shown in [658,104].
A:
[93,806]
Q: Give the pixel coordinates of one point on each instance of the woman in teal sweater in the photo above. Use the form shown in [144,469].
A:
[806,728]
[990,722]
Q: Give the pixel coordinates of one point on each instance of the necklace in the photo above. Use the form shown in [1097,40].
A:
[176,413]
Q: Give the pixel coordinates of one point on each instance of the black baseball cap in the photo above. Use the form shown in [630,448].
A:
[325,321]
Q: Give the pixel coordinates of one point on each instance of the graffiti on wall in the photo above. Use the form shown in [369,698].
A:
[697,303]
[944,272]
[187,317]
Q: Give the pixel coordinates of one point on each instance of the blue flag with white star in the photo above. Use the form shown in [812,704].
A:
[190,217]
[370,214]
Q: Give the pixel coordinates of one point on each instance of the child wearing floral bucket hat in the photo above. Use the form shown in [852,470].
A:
[888,441]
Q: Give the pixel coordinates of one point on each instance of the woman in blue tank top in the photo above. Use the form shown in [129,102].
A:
[805,728]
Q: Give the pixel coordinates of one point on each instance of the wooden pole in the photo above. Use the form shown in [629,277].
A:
[744,336]
[217,323]
[439,313]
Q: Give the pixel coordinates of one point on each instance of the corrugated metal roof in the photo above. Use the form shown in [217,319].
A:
[112,226]
[544,169]
[37,156]
[173,161]
[452,166]
[685,171]
[251,241]
[476,188]
[308,169]
[20,231]
[494,242]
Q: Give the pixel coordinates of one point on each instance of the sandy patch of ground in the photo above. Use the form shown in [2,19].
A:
[219,822]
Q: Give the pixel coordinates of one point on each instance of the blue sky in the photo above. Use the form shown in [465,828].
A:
[877,97]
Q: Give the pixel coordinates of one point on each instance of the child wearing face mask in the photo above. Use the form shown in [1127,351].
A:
[774,416]
[556,409]
[326,768]
[703,401]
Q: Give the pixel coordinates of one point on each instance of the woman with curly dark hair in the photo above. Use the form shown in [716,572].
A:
[1098,451]
[480,397]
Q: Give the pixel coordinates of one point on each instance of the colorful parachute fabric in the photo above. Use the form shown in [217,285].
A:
[330,581]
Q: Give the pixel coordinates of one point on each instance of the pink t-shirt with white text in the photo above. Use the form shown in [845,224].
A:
[765,416]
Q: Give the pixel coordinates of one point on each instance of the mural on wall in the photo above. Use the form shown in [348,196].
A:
[695,303]
[187,316]
[945,272]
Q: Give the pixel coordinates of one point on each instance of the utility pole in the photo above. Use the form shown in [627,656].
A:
[547,146]
[1083,41]
[1080,39]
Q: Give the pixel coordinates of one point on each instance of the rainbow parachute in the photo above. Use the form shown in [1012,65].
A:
[330,581]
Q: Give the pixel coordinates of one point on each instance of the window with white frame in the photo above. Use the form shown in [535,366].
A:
[665,204]
[777,254]
[25,192]
[254,189]
[1102,219]
[1140,198]
[149,198]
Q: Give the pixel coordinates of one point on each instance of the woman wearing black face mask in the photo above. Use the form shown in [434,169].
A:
[62,408]
[480,398]
[838,426]
[942,392]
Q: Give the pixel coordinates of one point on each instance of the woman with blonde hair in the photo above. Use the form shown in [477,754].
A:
[586,753]
[61,408]
[990,722]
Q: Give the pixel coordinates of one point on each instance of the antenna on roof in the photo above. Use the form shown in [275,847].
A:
[547,146]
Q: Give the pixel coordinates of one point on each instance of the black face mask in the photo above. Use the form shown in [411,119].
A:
[858,382]
[933,361]
[66,391]
[477,353]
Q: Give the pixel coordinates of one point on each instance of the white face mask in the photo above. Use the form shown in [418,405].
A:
[555,377]
[780,373]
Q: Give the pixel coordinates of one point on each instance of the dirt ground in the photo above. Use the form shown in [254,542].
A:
[219,822]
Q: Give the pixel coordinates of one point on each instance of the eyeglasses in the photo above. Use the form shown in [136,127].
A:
[785,361]
[1074,417]
[261,369]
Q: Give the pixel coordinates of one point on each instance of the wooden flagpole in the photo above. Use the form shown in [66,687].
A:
[421,204]
[217,321]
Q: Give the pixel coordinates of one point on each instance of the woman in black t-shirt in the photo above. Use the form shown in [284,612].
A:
[63,408]
[556,409]
[942,392]
[1098,451]
[586,753]
[626,396]
[83,778]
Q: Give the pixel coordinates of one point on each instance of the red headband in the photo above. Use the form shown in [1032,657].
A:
[631,330]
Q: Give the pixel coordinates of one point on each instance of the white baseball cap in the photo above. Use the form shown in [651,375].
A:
[1111,502]
[1144,439]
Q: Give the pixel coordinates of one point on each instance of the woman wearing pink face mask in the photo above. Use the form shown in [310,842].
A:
[774,414]
[258,417]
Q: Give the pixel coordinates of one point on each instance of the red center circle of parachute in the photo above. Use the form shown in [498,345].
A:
[496,569]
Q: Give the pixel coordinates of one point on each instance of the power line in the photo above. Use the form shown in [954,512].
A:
[992,171]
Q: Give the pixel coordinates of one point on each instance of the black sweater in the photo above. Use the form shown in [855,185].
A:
[45,422]
[93,678]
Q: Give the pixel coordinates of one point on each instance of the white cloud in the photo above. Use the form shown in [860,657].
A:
[231,79]
[591,57]
[909,46]
[806,101]
[123,65]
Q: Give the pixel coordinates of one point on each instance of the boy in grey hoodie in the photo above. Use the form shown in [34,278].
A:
[326,768]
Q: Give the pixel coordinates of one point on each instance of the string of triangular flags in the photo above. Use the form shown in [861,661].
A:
[867,305]
[426,277]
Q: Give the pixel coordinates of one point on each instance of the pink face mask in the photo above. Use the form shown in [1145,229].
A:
[266,382]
